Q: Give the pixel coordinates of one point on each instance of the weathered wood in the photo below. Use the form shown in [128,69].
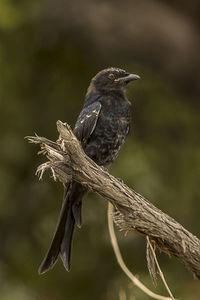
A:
[68,161]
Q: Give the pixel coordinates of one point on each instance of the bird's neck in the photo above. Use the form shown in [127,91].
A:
[113,95]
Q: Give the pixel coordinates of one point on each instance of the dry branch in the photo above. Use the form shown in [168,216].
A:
[68,161]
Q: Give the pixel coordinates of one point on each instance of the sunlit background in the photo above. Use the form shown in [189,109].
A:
[49,50]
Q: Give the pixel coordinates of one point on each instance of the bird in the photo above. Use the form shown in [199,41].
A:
[101,128]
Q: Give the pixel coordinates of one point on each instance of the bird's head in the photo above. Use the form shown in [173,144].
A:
[112,79]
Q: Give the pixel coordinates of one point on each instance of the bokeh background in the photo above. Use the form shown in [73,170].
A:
[49,50]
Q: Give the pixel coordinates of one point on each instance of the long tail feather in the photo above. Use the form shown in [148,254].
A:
[66,244]
[69,215]
[54,249]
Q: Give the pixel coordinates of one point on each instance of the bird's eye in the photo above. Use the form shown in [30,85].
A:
[111,76]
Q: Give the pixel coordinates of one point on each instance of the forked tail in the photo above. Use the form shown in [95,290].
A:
[62,239]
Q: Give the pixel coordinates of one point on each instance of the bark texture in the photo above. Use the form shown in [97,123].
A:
[67,161]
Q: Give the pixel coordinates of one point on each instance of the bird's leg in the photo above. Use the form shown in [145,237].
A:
[104,168]
[107,169]
[121,180]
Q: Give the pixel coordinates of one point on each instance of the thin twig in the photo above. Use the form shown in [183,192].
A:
[122,295]
[159,269]
[121,262]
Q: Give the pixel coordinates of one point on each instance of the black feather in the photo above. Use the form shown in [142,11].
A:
[101,127]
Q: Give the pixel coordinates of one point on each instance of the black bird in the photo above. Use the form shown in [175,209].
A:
[102,127]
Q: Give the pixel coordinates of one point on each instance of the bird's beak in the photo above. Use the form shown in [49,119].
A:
[131,77]
[128,78]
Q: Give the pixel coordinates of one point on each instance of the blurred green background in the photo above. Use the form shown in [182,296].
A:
[49,50]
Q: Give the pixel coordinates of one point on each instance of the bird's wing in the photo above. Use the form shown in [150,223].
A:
[86,122]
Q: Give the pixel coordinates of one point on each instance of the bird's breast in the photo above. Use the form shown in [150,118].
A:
[111,130]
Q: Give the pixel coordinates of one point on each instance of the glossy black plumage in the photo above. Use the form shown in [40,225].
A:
[102,127]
